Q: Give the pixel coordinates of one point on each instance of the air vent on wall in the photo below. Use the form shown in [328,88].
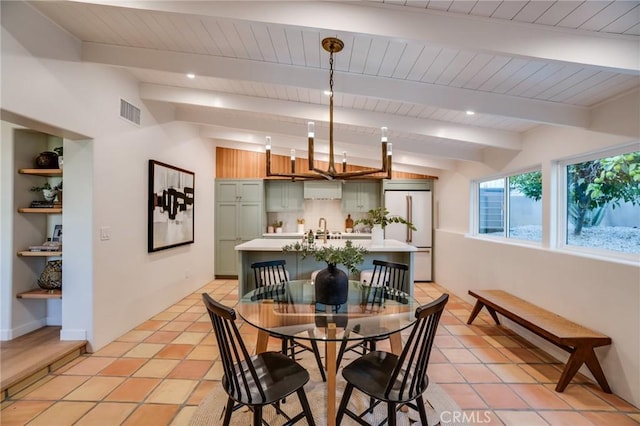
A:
[129,112]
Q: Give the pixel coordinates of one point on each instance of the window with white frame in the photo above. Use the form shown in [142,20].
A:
[511,206]
[601,199]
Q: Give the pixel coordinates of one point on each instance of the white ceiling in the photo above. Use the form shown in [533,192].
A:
[412,66]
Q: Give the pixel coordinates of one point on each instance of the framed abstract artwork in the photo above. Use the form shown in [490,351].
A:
[171,204]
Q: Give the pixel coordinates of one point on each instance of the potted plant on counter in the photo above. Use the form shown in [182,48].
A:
[277,226]
[378,219]
[331,284]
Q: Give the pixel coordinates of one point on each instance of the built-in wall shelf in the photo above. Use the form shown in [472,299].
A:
[41,172]
[29,253]
[40,294]
[53,210]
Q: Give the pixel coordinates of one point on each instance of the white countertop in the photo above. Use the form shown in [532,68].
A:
[276,244]
[284,234]
[345,235]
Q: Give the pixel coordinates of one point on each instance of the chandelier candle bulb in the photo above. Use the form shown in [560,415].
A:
[344,161]
[268,152]
[293,161]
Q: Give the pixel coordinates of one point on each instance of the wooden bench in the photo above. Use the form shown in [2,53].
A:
[579,341]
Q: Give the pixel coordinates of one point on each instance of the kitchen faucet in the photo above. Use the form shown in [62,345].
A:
[324,229]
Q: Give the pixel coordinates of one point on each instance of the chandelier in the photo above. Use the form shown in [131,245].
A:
[332,45]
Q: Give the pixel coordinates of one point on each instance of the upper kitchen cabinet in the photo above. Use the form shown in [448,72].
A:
[408,185]
[284,196]
[360,196]
[239,190]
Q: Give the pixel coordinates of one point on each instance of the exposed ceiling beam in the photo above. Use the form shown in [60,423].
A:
[314,112]
[360,85]
[605,51]
[234,126]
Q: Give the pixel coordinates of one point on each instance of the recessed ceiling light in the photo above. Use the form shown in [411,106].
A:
[469,112]
[191,75]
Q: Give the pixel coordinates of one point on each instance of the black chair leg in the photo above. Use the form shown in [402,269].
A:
[316,354]
[257,415]
[227,412]
[391,413]
[341,351]
[306,408]
[346,395]
[421,410]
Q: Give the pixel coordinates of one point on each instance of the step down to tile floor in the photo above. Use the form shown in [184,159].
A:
[27,359]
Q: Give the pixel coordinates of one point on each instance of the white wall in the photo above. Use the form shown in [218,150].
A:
[6,229]
[603,295]
[109,286]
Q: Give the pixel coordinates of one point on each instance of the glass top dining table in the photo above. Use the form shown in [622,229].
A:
[289,309]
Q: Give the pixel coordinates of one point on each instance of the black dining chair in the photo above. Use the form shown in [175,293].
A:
[392,276]
[269,272]
[268,275]
[396,380]
[254,381]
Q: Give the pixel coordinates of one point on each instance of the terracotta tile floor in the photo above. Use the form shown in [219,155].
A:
[158,373]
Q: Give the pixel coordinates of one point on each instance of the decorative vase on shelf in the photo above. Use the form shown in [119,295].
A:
[49,194]
[47,160]
[377,235]
[331,286]
[51,277]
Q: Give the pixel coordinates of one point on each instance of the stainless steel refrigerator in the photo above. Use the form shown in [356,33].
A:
[415,206]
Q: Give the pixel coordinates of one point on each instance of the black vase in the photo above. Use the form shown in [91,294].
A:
[331,286]
[47,160]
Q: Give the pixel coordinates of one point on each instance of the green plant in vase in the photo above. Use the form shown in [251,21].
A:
[59,150]
[378,219]
[380,216]
[331,284]
[48,192]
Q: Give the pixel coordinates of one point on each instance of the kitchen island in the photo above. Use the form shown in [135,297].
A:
[262,249]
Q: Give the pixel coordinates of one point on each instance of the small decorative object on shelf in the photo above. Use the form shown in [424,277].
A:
[37,204]
[47,160]
[48,192]
[47,246]
[59,150]
[300,228]
[51,277]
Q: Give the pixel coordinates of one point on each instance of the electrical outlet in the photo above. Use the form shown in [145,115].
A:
[105,233]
